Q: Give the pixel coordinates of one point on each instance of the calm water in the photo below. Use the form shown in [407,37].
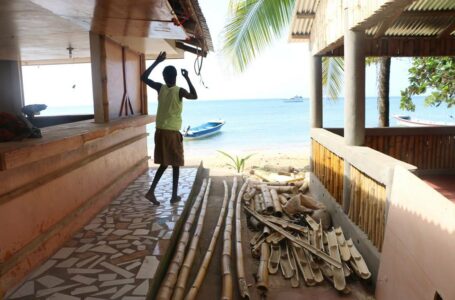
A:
[269,124]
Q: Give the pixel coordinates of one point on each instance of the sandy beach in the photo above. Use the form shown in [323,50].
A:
[218,163]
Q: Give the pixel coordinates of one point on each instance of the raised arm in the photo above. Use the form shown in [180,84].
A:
[184,93]
[145,76]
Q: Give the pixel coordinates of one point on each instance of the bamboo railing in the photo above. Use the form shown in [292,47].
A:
[424,151]
[329,168]
[368,206]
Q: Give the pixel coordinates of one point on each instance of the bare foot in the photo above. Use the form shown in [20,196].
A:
[151,197]
[176,199]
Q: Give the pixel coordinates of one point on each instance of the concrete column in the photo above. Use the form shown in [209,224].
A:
[11,90]
[354,101]
[315,91]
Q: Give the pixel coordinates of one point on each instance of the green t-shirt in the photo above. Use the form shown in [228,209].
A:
[169,112]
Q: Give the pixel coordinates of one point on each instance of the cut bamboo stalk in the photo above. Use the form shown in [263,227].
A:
[268,202]
[357,260]
[276,203]
[179,291]
[257,204]
[243,287]
[304,187]
[168,284]
[312,223]
[274,259]
[303,265]
[226,291]
[286,224]
[274,238]
[282,199]
[295,280]
[317,274]
[285,262]
[256,238]
[249,195]
[344,249]
[293,239]
[263,273]
[192,293]
[338,273]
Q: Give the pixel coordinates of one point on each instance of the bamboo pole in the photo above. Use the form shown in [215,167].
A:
[276,203]
[268,202]
[179,291]
[192,293]
[263,272]
[226,291]
[167,286]
[243,287]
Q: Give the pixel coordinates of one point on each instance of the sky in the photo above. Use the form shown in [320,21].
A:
[280,71]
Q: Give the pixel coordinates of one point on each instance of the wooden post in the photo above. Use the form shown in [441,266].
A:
[11,90]
[315,92]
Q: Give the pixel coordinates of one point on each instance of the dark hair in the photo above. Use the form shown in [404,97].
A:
[170,75]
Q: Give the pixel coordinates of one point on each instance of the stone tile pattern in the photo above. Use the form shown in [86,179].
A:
[117,253]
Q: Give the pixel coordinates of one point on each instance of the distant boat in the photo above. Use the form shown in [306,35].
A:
[413,122]
[203,130]
[296,98]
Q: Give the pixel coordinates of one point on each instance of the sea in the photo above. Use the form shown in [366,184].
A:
[269,124]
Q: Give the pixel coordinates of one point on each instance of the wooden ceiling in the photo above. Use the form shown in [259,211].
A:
[43,31]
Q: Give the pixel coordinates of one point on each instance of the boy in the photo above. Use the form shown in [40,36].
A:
[168,139]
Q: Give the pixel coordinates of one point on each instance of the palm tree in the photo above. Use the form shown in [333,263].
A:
[253,26]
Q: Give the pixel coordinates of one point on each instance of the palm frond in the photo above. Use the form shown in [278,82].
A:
[254,25]
[332,76]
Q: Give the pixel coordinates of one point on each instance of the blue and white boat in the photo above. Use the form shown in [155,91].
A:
[203,130]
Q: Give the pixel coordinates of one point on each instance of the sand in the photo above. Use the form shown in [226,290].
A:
[219,164]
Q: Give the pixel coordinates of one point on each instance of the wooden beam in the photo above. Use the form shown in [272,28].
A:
[305,15]
[404,47]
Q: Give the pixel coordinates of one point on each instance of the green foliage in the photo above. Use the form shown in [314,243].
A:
[238,163]
[332,76]
[254,24]
[434,73]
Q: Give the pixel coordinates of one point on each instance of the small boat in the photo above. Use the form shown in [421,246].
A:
[296,98]
[413,122]
[203,130]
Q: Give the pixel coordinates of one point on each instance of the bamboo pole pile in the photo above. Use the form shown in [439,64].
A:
[168,284]
[195,286]
[291,240]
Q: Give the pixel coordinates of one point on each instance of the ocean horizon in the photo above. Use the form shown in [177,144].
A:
[269,124]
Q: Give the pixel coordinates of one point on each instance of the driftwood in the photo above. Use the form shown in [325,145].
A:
[179,291]
[192,293]
[243,287]
[226,291]
[168,284]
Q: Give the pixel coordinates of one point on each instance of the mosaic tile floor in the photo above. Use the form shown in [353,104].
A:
[115,255]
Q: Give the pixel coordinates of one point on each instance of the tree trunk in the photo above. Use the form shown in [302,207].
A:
[383,91]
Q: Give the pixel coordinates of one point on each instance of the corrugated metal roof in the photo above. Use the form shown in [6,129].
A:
[417,19]
[301,26]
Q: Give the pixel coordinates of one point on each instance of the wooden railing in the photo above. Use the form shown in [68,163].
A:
[329,168]
[368,206]
[423,151]
[427,148]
